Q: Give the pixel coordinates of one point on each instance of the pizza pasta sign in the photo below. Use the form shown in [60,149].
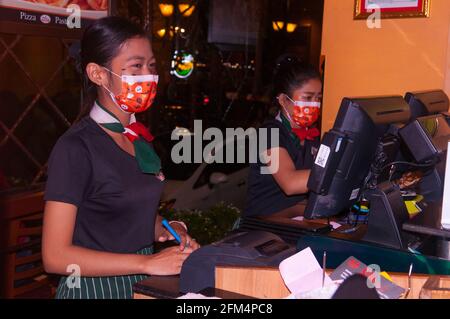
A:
[57,13]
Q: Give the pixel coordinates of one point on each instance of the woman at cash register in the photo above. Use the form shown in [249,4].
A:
[104,178]
[298,95]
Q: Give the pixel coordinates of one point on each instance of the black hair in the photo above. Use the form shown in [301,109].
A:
[290,74]
[100,44]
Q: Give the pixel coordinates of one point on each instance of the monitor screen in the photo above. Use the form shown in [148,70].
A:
[349,150]
[426,138]
[437,129]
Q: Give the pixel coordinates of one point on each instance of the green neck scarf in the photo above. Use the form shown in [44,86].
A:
[148,161]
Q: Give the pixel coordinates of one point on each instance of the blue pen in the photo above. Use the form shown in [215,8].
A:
[171,230]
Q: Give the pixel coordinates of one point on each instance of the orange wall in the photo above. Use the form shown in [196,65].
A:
[404,55]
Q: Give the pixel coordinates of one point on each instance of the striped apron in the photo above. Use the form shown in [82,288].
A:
[117,287]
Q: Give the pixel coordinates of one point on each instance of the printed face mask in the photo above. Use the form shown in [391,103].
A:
[305,113]
[138,92]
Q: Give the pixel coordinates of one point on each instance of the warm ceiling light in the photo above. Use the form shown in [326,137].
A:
[186,9]
[178,30]
[277,25]
[166,9]
[161,33]
[291,27]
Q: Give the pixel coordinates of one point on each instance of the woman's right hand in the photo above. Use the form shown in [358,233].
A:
[167,262]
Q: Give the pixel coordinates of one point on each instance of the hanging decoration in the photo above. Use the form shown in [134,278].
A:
[183,64]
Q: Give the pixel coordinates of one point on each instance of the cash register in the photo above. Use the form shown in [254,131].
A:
[354,165]
[240,248]
[372,143]
[427,140]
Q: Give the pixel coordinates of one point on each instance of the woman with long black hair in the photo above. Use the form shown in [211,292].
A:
[104,177]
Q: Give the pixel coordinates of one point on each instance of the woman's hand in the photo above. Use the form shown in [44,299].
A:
[186,240]
[167,262]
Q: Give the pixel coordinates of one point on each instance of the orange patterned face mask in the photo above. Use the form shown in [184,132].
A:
[305,114]
[138,92]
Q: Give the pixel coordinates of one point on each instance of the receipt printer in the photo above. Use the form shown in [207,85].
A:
[249,248]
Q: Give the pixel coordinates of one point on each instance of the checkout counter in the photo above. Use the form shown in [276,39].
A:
[240,282]
[347,240]
[226,275]
[246,265]
[215,272]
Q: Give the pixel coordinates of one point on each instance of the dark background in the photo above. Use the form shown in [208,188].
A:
[234,45]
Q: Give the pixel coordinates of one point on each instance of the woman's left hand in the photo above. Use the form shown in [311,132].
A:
[186,240]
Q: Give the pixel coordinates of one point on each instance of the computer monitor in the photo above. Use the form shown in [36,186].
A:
[427,138]
[427,103]
[349,150]
[429,110]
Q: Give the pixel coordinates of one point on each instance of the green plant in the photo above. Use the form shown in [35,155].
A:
[206,226]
